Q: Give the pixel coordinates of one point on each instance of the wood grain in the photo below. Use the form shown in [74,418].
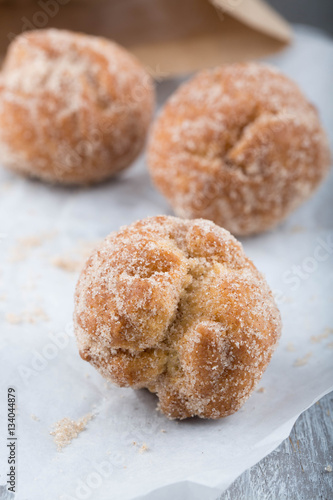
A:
[299,468]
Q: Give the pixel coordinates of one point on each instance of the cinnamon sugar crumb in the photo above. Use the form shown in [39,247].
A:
[297,229]
[33,316]
[316,339]
[71,264]
[143,448]
[290,347]
[261,390]
[303,361]
[34,417]
[24,245]
[66,430]
[37,314]
[66,264]
[12,318]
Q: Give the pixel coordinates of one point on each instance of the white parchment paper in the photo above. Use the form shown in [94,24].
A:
[45,227]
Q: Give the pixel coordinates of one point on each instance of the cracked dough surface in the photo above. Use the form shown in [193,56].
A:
[239,145]
[175,306]
[74,109]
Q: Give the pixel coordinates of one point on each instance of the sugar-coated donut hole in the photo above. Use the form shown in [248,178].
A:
[74,109]
[175,306]
[239,145]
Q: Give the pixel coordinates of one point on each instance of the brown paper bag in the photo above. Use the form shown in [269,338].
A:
[170,37]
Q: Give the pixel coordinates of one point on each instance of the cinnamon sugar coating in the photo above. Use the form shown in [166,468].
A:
[239,145]
[175,306]
[74,109]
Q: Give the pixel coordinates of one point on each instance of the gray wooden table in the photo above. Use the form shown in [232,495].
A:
[301,468]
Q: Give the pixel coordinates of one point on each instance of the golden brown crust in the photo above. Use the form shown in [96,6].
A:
[176,306]
[239,145]
[74,109]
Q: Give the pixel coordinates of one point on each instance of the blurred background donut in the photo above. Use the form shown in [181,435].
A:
[239,145]
[74,109]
